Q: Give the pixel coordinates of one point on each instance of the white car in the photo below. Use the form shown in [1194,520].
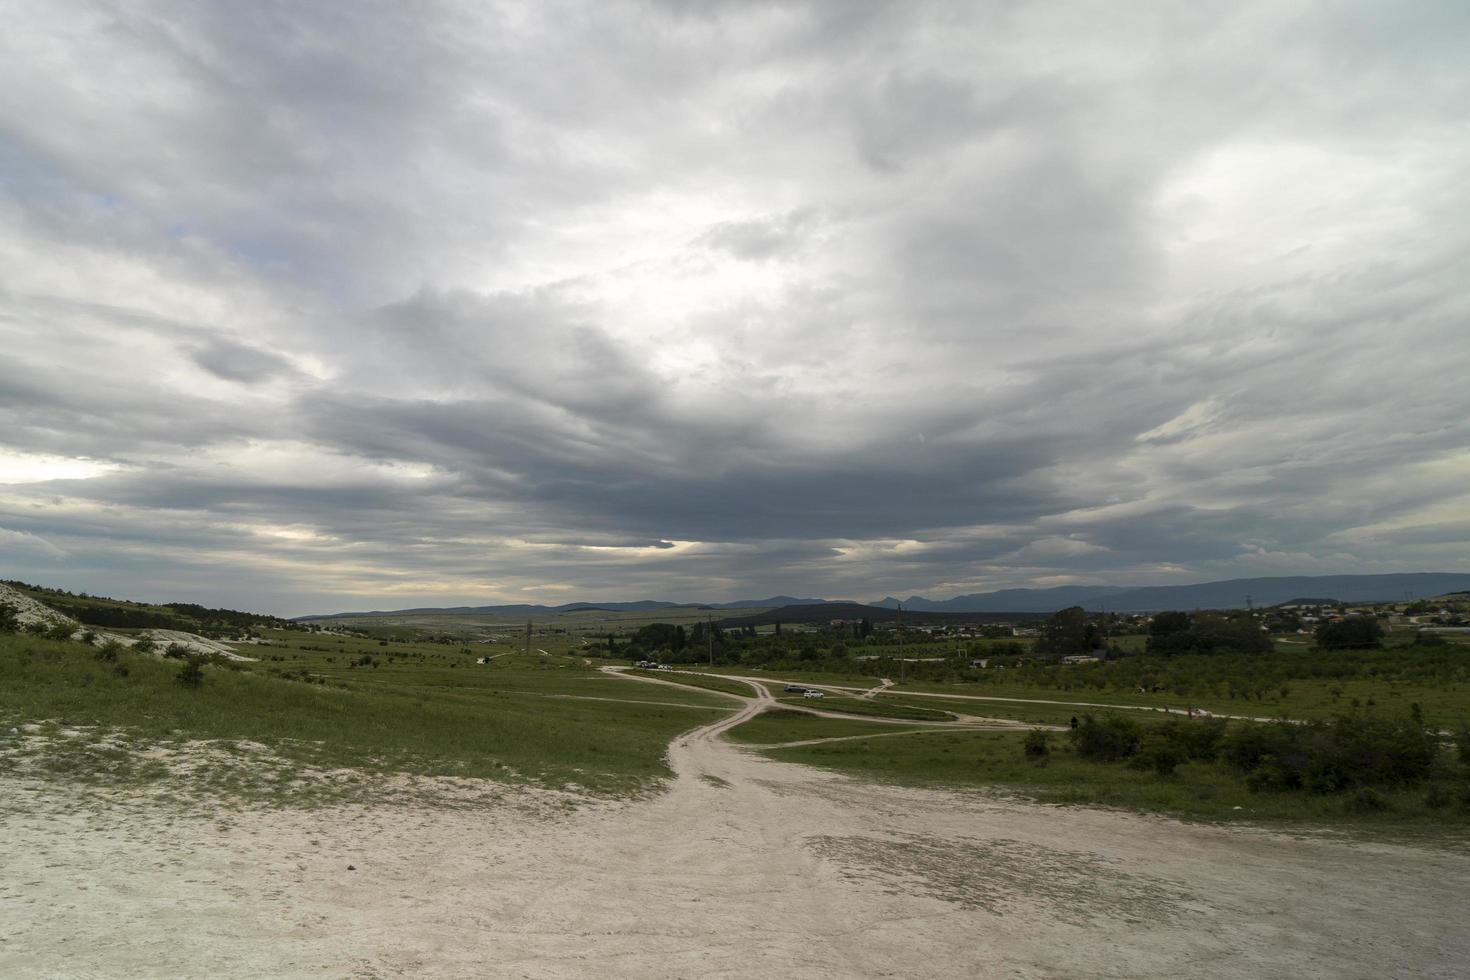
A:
[812,694]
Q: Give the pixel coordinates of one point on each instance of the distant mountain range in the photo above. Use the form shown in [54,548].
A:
[1230,594]
[642,605]
[825,612]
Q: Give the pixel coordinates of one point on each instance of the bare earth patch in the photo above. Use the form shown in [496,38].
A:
[745,867]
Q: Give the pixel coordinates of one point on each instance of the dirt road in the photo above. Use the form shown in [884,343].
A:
[744,868]
[886,684]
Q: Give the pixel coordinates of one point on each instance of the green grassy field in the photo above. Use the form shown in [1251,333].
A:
[847,678]
[415,708]
[779,725]
[432,702]
[861,706]
[1204,791]
[698,681]
[1034,714]
[1303,698]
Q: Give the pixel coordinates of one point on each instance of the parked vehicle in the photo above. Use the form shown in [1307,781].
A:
[812,694]
[795,689]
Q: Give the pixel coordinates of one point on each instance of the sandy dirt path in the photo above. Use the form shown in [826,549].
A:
[745,867]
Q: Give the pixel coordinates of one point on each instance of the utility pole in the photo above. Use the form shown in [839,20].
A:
[1250,607]
[528,638]
[709,634]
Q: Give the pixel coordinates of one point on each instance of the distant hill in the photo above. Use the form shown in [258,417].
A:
[1228,594]
[774,602]
[527,609]
[1009,600]
[828,611]
[514,609]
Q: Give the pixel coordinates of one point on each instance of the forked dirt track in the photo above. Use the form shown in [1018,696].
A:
[745,867]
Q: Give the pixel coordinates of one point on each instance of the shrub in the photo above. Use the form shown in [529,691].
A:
[1348,752]
[1437,797]
[1366,800]
[1353,633]
[1199,738]
[1161,753]
[192,673]
[1249,747]
[1037,745]
[1114,737]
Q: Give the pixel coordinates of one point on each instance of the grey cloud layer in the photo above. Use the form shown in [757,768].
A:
[359,303]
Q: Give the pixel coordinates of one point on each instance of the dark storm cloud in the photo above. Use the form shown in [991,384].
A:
[335,306]
[238,362]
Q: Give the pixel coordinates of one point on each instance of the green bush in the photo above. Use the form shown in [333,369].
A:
[1112,738]
[1437,797]
[1348,752]
[1037,745]
[1249,747]
[1366,800]
[192,673]
[1353,633]
[1161,753]
[1199,738]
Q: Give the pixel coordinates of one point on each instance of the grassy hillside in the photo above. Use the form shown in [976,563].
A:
[344,704]
[123,614]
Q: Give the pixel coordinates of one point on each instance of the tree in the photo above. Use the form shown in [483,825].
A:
[1353,633]
[1173,633]
[1168,624]
[1067,632]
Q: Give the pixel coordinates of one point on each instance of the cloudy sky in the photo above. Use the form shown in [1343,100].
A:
[309,307]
